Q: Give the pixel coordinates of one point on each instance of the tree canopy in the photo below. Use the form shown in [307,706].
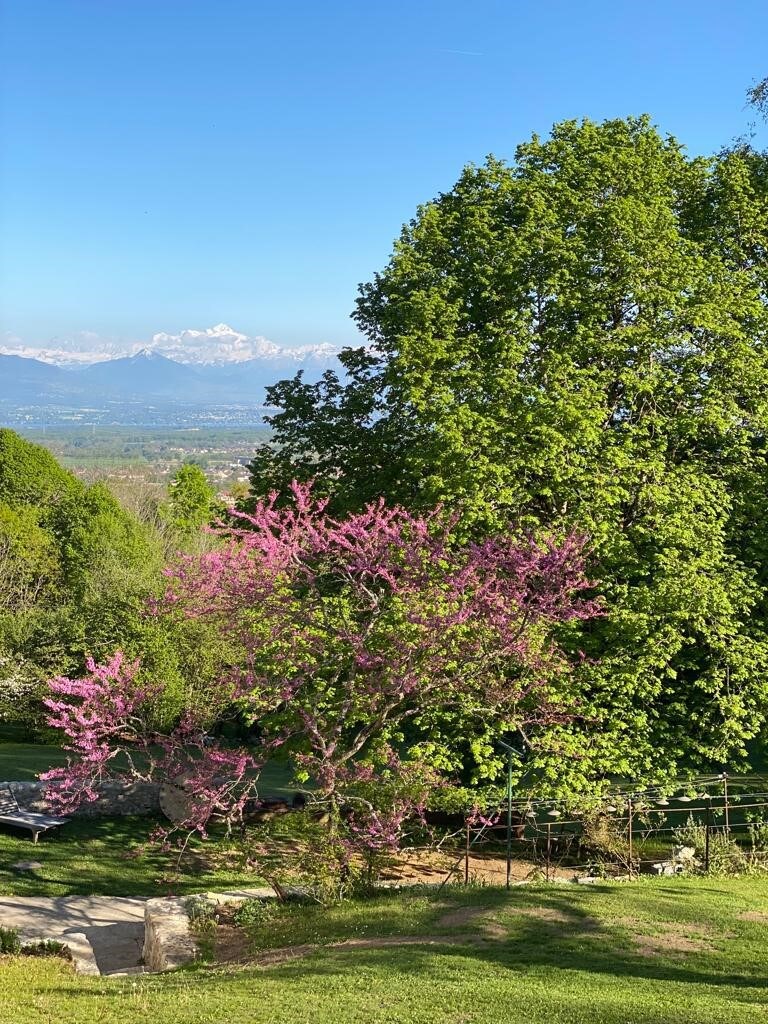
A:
[77,572]
[577,340]
[191,499]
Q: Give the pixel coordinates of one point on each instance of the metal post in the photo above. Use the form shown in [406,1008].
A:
[725,801]
[509,817]
[629,828]
[549,847]
[466,856]
[706,834]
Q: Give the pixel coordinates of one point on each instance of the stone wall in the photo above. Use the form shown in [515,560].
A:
[168,941]
[114,798]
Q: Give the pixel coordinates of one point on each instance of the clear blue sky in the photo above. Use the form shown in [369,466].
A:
[177,163]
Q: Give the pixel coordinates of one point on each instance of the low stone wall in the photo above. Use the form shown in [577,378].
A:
[114,798]
[168,941]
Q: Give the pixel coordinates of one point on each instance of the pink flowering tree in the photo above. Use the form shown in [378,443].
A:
[352,639]
[108,719]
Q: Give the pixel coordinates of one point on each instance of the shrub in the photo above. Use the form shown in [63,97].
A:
[758,836]
[46,947]
[693,833]
[9,941]
[253,912]
[604,842]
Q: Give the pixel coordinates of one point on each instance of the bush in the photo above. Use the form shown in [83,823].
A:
[758,836]
[46,947]
[726,857]
[203,922]
[200,911]
[693,833]
[9,941]
[253,912]
[604,842]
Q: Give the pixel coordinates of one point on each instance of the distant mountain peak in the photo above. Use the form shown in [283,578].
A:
[220,345]
[148,353]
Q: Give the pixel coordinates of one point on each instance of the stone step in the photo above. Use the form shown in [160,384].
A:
[141,969]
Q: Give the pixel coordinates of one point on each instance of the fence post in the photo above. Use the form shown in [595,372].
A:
[706,834]
[549,846]
[725,801]
[509,817]
[466,855]
[629,829]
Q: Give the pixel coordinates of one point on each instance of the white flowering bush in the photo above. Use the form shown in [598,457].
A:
[20,692]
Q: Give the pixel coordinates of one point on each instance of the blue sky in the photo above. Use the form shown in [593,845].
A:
[170,164]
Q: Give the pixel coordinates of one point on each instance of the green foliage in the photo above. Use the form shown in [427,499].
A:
[30,475]
[578,340]
[9,940]
[21,691]
[191,500]
[758,835]
[254,912]
[46,947]
[693,833]
[77,573]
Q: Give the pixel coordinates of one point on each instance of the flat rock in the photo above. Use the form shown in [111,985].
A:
[27,865]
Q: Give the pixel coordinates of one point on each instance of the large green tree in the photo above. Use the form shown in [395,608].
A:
[578,339]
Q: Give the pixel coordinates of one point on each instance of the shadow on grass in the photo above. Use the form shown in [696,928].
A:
[104,856]
[565,955]
[573,938]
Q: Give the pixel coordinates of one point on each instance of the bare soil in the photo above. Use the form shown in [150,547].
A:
[429,866]
[672,937]
[754,915]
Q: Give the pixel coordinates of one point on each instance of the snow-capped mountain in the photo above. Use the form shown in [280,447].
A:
[195,369]
[221,345]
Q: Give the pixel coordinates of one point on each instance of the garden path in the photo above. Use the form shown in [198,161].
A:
[113,926]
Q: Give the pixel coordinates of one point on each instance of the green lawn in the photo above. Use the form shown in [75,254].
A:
[25,761]
[657,952]
[100,856]
[91,856]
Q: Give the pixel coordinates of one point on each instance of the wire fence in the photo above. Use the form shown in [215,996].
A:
[628,831]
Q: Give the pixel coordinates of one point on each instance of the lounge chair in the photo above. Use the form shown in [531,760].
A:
[12,814]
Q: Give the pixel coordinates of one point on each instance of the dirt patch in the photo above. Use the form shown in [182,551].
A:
[754,915]
[424,866]
[461,916]
[669,942]
[275,957]
[551,914]
[673,937]
[230,945]
[489,927]
[386,941]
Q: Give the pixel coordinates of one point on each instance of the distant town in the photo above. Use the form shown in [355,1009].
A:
[151,453]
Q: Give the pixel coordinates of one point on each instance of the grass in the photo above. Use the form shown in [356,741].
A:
[101,856]
[25,761]
[657,952]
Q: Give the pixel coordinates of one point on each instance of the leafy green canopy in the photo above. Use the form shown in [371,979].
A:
[77,572]
[191,500]
[578,340]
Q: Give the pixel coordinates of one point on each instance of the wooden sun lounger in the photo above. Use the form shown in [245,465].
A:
[12,814]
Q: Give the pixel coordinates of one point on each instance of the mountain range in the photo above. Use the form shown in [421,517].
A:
[215,346]
[204,370]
